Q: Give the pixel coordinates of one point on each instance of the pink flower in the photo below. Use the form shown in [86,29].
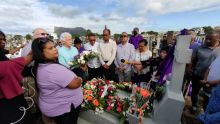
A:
[119,109]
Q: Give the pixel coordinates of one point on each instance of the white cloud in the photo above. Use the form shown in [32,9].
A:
[64,11]
[22,16]
[142,7]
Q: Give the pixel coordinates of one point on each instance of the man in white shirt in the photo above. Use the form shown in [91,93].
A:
[125,53]
[93,65]
[107,50]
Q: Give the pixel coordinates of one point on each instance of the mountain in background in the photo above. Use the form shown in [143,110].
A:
[78,30]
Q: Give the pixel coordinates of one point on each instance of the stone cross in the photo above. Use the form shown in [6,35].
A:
[169,109]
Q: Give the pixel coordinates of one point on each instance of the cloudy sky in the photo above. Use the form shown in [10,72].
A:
[22,16]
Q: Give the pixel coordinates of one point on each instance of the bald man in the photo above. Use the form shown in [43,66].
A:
[37,33]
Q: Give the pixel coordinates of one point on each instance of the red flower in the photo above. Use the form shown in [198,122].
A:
[119,104]
[109,108]
[110,88]
[119,109]
[110,97]
[144,93]
[101,87]
[100,93]
[95,102]
[89,98]
[107,82]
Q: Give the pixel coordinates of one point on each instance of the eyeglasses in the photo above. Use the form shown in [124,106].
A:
[104,35]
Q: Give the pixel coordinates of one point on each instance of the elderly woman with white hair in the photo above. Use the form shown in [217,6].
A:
[67,52]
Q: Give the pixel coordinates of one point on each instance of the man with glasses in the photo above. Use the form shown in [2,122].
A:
[37,33]
[125,53]
[93,65]
[107,52]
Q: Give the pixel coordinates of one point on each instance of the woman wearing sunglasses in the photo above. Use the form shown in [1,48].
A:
[60,93]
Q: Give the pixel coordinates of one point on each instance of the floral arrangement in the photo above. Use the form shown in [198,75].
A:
[83,58]
[95,93]
[117,105]
[141,102]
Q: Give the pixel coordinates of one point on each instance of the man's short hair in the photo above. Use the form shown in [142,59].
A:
[108,31]
[136,29]
[36,31]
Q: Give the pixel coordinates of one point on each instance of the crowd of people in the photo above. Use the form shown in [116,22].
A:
[58,87]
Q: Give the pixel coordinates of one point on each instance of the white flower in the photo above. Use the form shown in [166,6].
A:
[111,82]
[83,105]
[83,62]
[86,52]
[93,87]
[70,63]
[78,60]
[112,105]
[81,58]
[123,113]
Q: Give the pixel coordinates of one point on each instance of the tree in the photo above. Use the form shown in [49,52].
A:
[28,37]
[88,32]
[74,36]
[152,33]
[142,32]
[116,38]
[207,29]
[18,37]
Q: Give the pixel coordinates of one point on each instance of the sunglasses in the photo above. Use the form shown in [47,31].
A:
[44,34]
[104,35]
[123,35]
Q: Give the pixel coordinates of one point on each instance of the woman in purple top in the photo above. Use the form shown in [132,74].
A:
[60,93]
[78,45]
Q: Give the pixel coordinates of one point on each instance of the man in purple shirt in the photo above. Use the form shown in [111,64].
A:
[135,38]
